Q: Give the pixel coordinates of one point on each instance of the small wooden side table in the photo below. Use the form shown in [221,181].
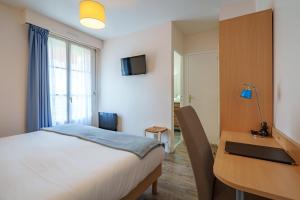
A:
[156,130]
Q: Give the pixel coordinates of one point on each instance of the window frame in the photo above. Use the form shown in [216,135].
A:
[94,95]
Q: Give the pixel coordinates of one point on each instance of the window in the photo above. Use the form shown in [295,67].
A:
[72,82]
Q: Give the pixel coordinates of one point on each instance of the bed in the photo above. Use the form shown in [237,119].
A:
[46,165]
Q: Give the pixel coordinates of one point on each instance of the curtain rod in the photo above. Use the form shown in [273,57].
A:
[65,37]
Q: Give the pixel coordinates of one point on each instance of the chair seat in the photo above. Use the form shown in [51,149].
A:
[224,192]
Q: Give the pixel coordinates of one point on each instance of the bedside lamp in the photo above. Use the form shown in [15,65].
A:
[247,94]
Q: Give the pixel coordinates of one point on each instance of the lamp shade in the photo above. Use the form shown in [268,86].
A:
[246,93]
[92,14]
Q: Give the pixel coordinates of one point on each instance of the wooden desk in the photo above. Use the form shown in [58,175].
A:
[264,178]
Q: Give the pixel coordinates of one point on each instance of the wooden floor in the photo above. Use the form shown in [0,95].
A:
[177,180]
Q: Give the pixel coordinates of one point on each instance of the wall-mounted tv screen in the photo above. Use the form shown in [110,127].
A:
[134,65]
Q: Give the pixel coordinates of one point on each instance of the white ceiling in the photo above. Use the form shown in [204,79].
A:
[126,16]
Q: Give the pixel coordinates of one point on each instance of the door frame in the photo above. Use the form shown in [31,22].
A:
[181,75]
[173,144]
[186,78]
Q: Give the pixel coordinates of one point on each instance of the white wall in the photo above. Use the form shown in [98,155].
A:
[143,100]
[177,39]
[236,8]
[13,71]
[264,4]
[230,9]
[202,41]
[13,62]
[287,67]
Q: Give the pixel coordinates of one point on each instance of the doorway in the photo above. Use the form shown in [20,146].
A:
[177,101]
[202,90]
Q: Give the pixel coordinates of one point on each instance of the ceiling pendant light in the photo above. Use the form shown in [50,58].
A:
[92,14]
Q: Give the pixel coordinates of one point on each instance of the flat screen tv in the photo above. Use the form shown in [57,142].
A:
[134,65]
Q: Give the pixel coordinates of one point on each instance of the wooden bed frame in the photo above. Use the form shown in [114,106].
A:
[151,179]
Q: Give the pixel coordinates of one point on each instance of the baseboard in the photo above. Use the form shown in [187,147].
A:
[289,145]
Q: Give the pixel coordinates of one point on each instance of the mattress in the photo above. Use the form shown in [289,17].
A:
[48,166]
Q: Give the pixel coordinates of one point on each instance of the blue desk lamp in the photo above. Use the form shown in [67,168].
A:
[247,94]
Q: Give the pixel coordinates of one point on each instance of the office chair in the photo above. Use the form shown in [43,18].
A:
[200,153]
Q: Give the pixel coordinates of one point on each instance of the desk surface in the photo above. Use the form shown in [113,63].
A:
[268,179]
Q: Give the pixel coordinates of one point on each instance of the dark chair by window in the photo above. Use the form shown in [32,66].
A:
[108,121]
[200,153]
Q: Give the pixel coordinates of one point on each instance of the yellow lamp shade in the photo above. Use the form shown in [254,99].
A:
[92,14]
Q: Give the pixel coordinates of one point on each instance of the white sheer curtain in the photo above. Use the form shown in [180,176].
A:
[57,56]
[81,85]
[70,82]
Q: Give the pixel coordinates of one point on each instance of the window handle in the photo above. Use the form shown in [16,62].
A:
[71,100]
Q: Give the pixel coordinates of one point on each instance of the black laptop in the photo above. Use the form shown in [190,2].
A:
[259,152]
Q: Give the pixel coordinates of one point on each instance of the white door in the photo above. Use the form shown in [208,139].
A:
[202,90]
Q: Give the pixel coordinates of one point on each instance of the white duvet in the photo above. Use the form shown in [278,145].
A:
[48,166]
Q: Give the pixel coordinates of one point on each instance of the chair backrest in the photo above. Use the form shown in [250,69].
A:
[199,151]
[108,121]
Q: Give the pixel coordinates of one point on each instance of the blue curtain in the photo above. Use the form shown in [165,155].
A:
[38,93]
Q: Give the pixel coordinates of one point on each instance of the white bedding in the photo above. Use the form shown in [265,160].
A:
[48,166]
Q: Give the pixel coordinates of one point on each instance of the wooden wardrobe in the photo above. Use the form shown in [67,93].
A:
[246,56]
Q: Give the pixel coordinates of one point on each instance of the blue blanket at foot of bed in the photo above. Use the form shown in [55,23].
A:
[137,145]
